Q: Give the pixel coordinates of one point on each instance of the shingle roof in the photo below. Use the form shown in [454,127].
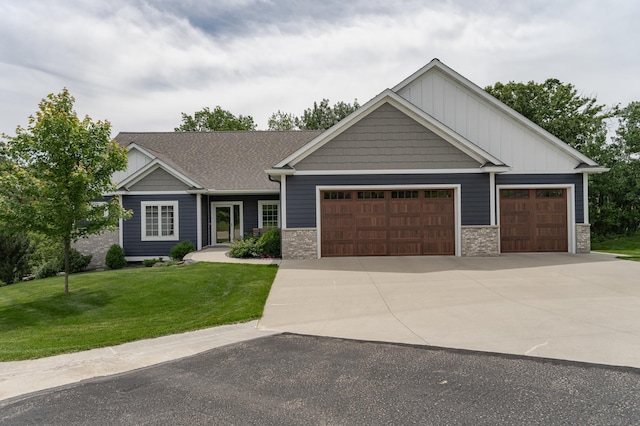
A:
[222,161]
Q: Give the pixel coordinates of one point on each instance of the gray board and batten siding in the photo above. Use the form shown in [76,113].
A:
[133,246]
[475,194]
[550,179]
[387,139]
[159,180]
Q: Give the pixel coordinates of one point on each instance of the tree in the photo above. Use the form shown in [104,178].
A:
[15,250]
[282,121]
[322,116]
[217,120]
[556,107]
[54,171]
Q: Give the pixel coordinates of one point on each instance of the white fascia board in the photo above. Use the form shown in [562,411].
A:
[280,172]
[151,167]
[388,172]
[242,191]
[592,170]
[137,147]
[435,63]
[397,101]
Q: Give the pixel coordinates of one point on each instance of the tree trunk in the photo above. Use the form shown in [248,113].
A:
[67,249]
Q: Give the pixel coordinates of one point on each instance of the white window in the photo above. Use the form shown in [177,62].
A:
[268,214]
[159,220]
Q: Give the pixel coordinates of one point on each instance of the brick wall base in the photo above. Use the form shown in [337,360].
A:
[300,243]
[583,238]
[480,241]
[97,245]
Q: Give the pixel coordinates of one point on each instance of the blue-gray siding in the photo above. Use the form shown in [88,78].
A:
[550,179]
[250,211]
[301,193]
[134,246]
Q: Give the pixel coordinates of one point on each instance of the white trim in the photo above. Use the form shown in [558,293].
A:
[140,149]
[571,211]
[199,221]
[283,201]
[457,206]
[387,172]
[231,204]
[492,198]
[280,172]
[585,199]
[120,232]
[261,204]
[176,221]
[407,108]
[141,258]
[242,191]
[458,78]
[154,165]
[153,193]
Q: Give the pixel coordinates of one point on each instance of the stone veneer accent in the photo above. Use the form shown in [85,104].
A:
[583,238]
[480,241]
[300,243]
[97,245]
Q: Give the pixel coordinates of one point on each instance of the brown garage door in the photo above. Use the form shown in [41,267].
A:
[387,223]
[533,220]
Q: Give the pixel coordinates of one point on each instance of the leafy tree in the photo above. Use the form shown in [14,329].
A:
[217,120]
[282,121]
[15,250]
[556,107]
[322,116]
[57,167]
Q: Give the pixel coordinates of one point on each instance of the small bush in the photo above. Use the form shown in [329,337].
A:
[246,248]
[181,249]
[77,261]
[150,262]
[48,269]
[269,243]
[115,257]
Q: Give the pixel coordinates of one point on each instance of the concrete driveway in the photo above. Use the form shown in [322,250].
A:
[573,307]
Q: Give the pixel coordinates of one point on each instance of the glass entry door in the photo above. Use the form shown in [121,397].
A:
[228,223]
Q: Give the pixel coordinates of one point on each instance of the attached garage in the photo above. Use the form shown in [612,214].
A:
[533,220]
[399,222]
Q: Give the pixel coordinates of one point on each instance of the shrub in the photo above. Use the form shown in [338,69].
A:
[77,261]
[246,248]
[181,249]
[48,269]
[269,243]
[115,257]
[150,262]
[15,250]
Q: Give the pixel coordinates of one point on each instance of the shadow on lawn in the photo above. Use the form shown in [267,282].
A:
[55,308]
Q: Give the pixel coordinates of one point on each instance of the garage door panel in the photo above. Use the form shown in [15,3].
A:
[533,220]
[396,223]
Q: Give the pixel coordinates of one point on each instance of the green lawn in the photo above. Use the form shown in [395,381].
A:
[113,307]
[628,246]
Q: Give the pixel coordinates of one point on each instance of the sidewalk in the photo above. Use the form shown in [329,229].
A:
[21,377]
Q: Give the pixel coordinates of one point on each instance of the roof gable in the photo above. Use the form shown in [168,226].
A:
[387,139]
[473,113]
[409,110]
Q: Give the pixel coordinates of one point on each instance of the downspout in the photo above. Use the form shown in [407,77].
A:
[279,182]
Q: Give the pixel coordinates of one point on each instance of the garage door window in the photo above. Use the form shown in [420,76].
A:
[515,193]
[337,195]
[404,194]
[439,193]
[549,193]
[366,195]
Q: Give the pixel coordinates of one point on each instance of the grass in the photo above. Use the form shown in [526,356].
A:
[627,246]
[113,307]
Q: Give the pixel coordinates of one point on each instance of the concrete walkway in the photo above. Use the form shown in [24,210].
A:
[220,254]
[572,307]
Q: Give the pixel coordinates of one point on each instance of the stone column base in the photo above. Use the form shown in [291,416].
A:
[583,238]
[299,243]
[480,241]
[97,246]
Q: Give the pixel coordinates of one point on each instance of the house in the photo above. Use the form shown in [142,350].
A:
[433,166]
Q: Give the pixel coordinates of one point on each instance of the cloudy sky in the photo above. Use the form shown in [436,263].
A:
[139,64]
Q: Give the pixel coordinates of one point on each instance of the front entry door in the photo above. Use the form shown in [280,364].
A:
[227,224]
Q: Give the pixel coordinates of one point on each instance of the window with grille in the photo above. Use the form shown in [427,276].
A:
[159,220]
[268,214]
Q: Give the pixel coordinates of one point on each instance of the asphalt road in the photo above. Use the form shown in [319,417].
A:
[293,379]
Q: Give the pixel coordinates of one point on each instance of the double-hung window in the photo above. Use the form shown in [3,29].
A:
[268,214]
[159,220]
